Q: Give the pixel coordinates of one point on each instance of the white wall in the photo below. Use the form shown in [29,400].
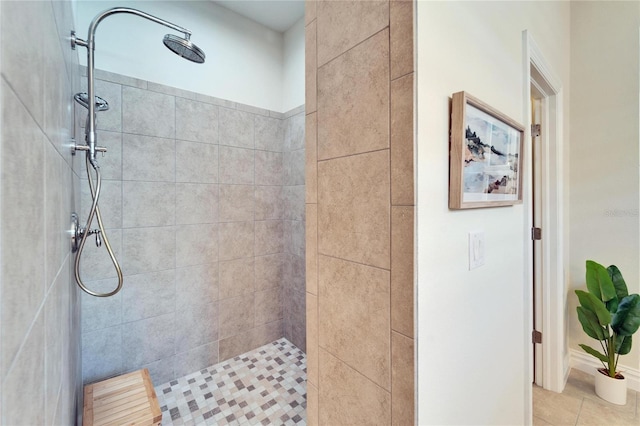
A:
[244,59]
[471,324]
[604,153]
[293,72]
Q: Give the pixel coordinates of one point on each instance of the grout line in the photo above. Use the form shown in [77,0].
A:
[356,154]
[400,76]
[389,218]
[386,27]
[353,368]
[579,410]
[352,261]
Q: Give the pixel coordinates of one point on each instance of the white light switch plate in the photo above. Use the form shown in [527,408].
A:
[476,249]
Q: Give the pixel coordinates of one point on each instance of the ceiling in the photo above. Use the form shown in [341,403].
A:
[279,15]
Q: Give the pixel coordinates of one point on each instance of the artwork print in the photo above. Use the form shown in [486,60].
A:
[491,158]
[485,155]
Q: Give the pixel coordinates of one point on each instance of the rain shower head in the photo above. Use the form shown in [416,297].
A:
[184,47]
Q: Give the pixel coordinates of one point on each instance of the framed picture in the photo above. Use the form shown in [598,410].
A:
[485,156]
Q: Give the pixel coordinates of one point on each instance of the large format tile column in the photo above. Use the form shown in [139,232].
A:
[360,208]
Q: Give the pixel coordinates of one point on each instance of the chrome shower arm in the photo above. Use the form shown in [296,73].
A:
[90,45]
[112,11]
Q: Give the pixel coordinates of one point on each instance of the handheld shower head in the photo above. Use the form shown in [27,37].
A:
[184,47]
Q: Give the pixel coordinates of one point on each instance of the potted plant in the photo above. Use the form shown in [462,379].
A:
[609,314]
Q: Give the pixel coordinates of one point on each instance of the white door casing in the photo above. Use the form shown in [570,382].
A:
[555,366]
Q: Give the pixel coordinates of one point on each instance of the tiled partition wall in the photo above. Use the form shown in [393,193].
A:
[360,208]
[194,204]
[39,322]
[294,230]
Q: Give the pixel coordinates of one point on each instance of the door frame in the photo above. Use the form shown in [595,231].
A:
[555,358]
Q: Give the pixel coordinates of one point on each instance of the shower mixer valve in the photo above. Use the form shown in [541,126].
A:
[76,147]
[81,232]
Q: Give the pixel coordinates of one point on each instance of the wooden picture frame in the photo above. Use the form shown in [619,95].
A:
[485,155]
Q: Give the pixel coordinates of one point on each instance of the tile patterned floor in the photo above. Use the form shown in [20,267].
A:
[578,404]
[266,386]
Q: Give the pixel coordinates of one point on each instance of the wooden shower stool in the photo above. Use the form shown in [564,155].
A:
[124,400]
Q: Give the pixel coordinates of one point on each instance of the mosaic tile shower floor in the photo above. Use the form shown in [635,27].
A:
[266,386]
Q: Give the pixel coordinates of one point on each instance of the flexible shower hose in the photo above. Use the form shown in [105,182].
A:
[95,211]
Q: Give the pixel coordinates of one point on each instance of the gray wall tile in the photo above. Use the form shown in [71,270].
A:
[267,333]
[148,249]
[148,340]
[269,133]
[21,138]
[24,72]
[54,340]
[174,91]
[235,345]
[23,399]
[268,202]
[294,162]
[294,272]
[269,168]
[148,158]
[148,113]
[253,109]
[161,371]
[293,202]
[196,121]
[196,326]
[116,78]
[236,202]
[297,241]
[236,277]
[196,203]
[297,319]
[196,285]
[148,295]
[109,202]
[236,165]
[57,217]
[57,124]
[269,237]
[236,240]
[269,271]
[236,315]
[101,354]
[196,162]
[196,244]
[236,128]
[268,305]
[95,263]
[36,192]
[148,204]
[294,133]
[196,359]
[101,312]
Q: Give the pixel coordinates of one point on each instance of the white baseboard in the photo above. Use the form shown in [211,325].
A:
[585,362]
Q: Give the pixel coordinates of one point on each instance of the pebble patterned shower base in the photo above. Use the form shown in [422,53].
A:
[266,386]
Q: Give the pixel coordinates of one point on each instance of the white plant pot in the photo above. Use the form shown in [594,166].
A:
[610,389]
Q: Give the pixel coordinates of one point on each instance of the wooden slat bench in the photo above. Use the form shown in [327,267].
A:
[124,400]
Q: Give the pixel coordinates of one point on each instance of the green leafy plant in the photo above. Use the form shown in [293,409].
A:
[608,313]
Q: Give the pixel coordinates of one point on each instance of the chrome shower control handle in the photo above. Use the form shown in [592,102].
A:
[76,147]
[97,233]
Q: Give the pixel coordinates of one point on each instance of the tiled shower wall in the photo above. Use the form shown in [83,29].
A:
[195,208]
[39,305]
[360,208]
